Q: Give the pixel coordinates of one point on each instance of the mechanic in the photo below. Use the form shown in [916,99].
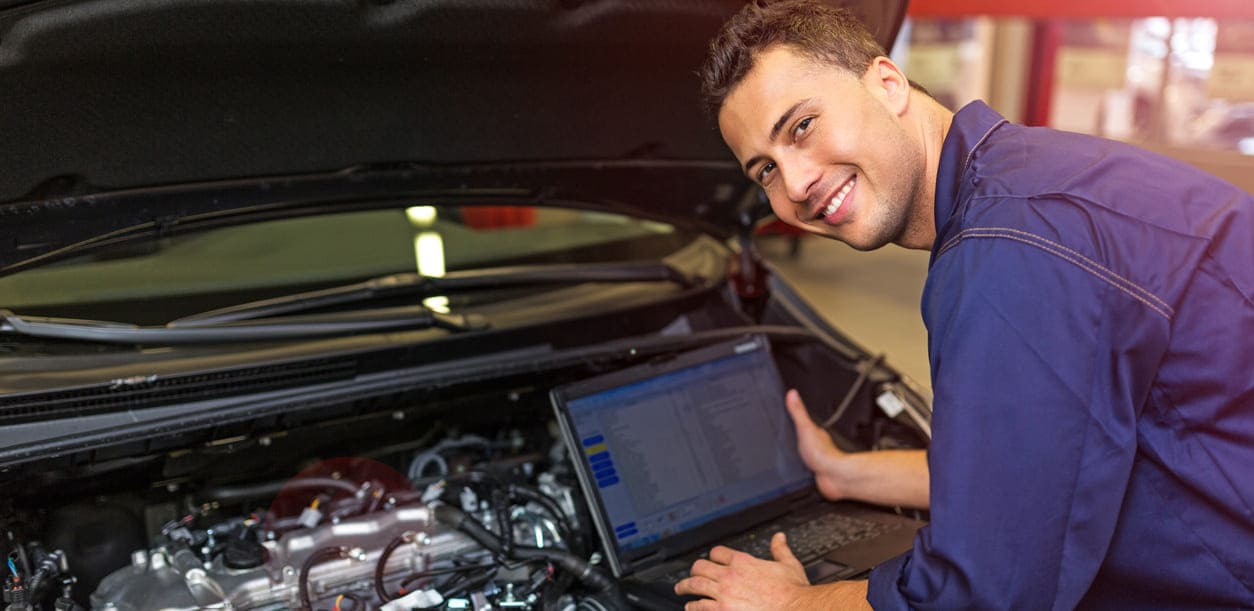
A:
[1090,309]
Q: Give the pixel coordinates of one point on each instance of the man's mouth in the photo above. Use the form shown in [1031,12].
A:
[837,200]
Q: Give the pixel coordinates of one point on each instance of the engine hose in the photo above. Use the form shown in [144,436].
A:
[585,572]
[230,494]
[325,553]
[500,501]
[382,564]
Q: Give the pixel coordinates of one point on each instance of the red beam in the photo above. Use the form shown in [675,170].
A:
[1221,9]
[1046,37]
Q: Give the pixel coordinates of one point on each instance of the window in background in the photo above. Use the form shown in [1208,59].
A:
[1226,119]
[949,57]
[1184,86]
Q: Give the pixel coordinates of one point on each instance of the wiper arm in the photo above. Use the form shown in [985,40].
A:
[416,285]
[297,327]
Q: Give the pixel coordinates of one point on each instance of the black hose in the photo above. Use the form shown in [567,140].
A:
[48,568]
[382,564]
[228,494]
[319,555]
[586,573]
[409,581]
[500,500]
[472,583]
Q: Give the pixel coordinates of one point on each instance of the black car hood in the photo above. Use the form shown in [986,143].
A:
[108,101]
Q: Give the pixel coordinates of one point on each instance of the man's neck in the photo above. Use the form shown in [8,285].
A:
[931,123]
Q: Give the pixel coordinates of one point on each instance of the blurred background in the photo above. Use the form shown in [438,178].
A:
[1173,76]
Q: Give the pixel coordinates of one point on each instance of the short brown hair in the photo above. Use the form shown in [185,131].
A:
[818,30]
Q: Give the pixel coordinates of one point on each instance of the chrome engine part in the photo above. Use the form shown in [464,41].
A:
[173,578]
[339,558]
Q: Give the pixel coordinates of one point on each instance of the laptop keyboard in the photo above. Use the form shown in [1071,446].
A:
[808,540]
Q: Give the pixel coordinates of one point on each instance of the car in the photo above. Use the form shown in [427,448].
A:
[280,279]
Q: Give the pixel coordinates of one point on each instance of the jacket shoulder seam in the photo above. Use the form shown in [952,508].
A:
[1099,271]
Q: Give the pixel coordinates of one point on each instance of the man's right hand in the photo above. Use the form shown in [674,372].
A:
[817,450]
[887,477]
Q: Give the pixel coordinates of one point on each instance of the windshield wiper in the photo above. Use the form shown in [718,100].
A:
[295,327]
[416,285]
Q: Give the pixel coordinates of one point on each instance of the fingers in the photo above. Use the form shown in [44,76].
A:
[697,586]
[723,555]
[705,568]
[702,605]
[781,552]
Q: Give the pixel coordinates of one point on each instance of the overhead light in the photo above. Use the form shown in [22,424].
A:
[421,216]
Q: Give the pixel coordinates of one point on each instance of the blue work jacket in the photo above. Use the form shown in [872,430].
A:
[1090,312]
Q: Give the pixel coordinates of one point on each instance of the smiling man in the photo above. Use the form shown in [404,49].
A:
[1090,309]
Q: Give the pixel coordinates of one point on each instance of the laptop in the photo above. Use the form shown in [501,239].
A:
[678,455]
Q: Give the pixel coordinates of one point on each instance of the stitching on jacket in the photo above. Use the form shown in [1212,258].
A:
[967,162]
[1128,283]
[949,244]
[1096,269]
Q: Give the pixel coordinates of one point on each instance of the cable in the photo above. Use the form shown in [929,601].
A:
[853,390]
[588,574]
[449,571]
[359,603]
[472,583]
[501,502]
[554,510]
[382,564]
[314,558]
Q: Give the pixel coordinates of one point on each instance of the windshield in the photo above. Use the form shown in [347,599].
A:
[155,281]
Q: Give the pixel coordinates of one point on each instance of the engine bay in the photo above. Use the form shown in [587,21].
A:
[424,500]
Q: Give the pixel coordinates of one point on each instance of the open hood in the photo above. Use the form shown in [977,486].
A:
[113,109]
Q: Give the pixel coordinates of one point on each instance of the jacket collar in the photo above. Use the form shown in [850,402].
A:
[971,125]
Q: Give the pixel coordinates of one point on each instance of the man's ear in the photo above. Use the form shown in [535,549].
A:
[889,84]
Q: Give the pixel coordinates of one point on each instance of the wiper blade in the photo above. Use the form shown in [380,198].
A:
[296,327]
[416,285]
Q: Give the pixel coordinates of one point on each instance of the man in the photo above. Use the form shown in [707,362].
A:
[1090,309]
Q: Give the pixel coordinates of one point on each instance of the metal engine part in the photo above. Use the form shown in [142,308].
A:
[170,578]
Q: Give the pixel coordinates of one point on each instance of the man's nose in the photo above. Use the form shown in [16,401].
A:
[799,180]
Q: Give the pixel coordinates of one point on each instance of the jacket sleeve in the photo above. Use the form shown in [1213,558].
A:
[1040,366]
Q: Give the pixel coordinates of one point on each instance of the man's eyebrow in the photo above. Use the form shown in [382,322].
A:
[775,129]
[783,119]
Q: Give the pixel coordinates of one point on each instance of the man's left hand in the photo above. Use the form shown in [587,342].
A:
[736,580]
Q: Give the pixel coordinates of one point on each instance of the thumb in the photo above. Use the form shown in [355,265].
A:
[781,552]
[797,410]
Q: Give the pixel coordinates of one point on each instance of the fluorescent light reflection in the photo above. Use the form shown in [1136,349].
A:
[421,216]
[429,252]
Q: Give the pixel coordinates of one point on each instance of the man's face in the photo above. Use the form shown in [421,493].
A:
[828,146]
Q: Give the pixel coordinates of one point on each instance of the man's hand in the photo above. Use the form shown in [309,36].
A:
[886,477]
[816,448]
[736,580]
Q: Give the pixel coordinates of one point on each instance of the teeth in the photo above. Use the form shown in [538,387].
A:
[839,199]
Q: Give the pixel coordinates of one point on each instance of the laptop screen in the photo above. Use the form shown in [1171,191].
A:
[667,449]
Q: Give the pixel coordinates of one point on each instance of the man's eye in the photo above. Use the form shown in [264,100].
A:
[767,168]
[802,126]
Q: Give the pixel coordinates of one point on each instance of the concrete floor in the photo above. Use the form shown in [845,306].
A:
[871,296]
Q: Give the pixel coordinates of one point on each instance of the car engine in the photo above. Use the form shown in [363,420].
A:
[476,523]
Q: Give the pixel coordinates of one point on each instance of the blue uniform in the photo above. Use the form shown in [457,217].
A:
[1090,310]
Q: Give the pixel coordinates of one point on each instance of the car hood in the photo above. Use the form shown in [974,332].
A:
[124,113]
